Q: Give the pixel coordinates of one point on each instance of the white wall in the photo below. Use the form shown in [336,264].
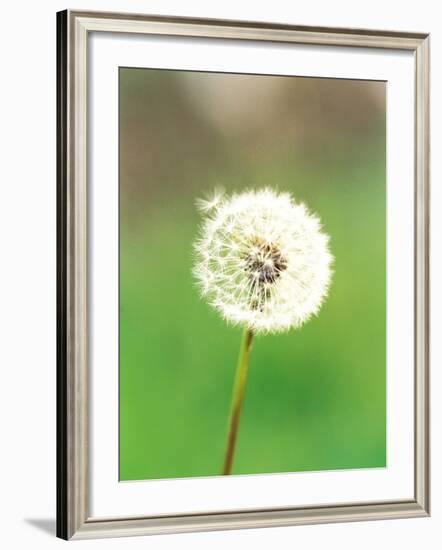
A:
[27,270]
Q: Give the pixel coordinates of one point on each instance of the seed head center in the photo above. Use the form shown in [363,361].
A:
[264,263]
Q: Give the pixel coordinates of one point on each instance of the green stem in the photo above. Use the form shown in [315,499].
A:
[237,398]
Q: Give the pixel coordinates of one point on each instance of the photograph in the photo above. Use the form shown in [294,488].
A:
[252,274]
[242,274]
[220,275]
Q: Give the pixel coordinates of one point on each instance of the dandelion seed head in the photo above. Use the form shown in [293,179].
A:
[262,260]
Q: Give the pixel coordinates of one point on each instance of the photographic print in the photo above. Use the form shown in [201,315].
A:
[252,282]
[242,275]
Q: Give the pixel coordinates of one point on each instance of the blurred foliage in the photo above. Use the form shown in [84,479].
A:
[316,397]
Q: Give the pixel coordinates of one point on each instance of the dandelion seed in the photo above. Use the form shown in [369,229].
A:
[211,201]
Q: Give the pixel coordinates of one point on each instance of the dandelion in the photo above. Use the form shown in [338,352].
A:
[263,262]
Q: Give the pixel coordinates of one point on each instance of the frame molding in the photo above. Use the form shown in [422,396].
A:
[73,521]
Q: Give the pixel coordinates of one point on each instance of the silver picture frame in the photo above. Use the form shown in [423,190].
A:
[73,519]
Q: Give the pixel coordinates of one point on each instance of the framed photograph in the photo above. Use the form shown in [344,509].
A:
[243,213]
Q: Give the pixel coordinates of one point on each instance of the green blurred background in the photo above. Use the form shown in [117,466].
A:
[316,397]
